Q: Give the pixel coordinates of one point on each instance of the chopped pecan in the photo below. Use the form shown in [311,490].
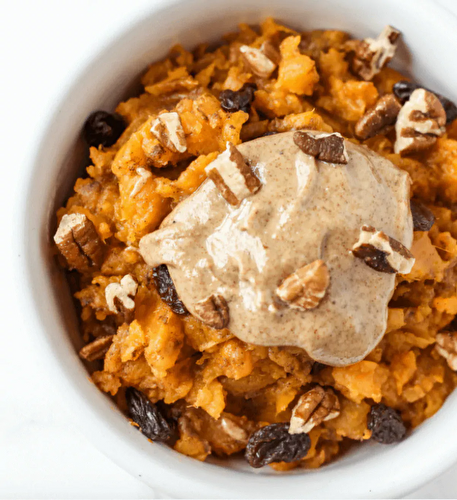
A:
[382,253]
[96,349]
[446,346]
[316,406]
[168,129]
[233,430]
[324,147]
[420,121]
[213,311]
[143,175]
[258,62]
[232,176]
[379,118]
[403,90]
[119,296]
[306,287]
[371,55]
[78,241]
[271,51]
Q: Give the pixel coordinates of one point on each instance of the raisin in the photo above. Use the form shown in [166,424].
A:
[423,218]
[385,424]
[404,89]
[102,128]
[273,443]
[151,418]
[238,100]
[272,132]
[167,290]
[317,368]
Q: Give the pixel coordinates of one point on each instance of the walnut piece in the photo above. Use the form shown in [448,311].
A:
[143,175]
[379,118]
[371,55]
[306,287]
[78,241]
[96,349]
[168,129]
[119,296]
[257,61]
[446,346]
[213,311]
[421,120]
[324,147]
[233,176]
[382,253]
[316,406]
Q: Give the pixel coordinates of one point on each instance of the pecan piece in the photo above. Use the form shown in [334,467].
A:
[257,61]
[213,311]
[316,406]
[232,176]
[271,51]
[379,118]
[420,121]
[119,296]
[168,129]
[143,175]
[446,346]
[306,287]
[233,430]
[324,147]
[78,241]
[371,55]
[96,349]
[382,253]
[403,90]
[423,217]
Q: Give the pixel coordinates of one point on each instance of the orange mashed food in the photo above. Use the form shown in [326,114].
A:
[210,374]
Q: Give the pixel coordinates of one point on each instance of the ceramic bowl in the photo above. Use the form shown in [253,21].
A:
[107,76]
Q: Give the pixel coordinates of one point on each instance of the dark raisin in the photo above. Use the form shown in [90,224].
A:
[238,100]
[317,368]
[404,89]
[273,443]
[102,128]
[374,258]
[151,418]
[385,424]
[167,290]
[423,218]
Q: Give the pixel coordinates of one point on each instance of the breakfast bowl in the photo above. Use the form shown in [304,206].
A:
[110,76]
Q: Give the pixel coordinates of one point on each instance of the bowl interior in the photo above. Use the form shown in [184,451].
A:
[100,84]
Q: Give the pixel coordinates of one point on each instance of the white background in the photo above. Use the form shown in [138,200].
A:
[42,454]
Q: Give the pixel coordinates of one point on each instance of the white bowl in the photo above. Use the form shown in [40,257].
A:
[429,32]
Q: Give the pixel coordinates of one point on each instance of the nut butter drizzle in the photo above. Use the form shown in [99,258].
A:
[303,211]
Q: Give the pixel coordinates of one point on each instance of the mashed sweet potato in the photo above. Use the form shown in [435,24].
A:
[207,375]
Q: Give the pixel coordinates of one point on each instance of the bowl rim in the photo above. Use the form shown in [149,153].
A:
[133,452]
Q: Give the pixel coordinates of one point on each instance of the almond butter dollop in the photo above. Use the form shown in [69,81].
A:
[278,267]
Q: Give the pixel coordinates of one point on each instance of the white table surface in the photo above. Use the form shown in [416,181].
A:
[42,454]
